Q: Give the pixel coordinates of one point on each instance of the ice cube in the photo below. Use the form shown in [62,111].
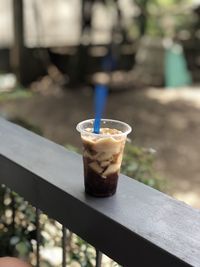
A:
[108,145]
[104,163]
[104,156]
[111,169]
[87,154]
[96,167]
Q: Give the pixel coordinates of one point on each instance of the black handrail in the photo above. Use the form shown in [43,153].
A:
[139,226]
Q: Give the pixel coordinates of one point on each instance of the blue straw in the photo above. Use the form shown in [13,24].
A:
[101,92]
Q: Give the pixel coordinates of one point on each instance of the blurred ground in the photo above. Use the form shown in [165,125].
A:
[166,120]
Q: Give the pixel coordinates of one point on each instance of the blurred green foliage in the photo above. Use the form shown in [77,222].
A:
[162,17]
[19,92]
[80,251]
[17,223]
[138,163]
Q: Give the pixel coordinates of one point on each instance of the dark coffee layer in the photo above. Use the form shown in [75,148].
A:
[97,186]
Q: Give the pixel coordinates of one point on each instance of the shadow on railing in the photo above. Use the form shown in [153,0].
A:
[139,226]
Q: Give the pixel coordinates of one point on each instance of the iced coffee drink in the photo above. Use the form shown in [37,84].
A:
[102,155]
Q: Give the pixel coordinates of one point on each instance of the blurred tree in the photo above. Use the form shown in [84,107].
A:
[143,15]
[17,51]
[159,17]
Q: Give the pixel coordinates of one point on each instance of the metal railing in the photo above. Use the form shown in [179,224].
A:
[64,243]
[139,226]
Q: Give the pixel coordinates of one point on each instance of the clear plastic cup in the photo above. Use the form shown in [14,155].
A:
[102,155]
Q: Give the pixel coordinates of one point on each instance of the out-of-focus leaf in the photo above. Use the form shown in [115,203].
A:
[14,240]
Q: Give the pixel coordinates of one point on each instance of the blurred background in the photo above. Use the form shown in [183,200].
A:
[147,52]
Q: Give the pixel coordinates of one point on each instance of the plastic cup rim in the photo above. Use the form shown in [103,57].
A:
[82,131]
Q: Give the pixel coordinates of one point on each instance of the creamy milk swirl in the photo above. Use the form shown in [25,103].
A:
[103,155]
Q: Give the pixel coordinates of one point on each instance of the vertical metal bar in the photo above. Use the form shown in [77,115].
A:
[64,244]
[13,212]
[38,237]
[98,258]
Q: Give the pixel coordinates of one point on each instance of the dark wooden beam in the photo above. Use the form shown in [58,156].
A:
[17,50]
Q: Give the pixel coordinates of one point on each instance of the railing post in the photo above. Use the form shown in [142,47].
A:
[64,243]
[38,237]
[13,211]
[98,258]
